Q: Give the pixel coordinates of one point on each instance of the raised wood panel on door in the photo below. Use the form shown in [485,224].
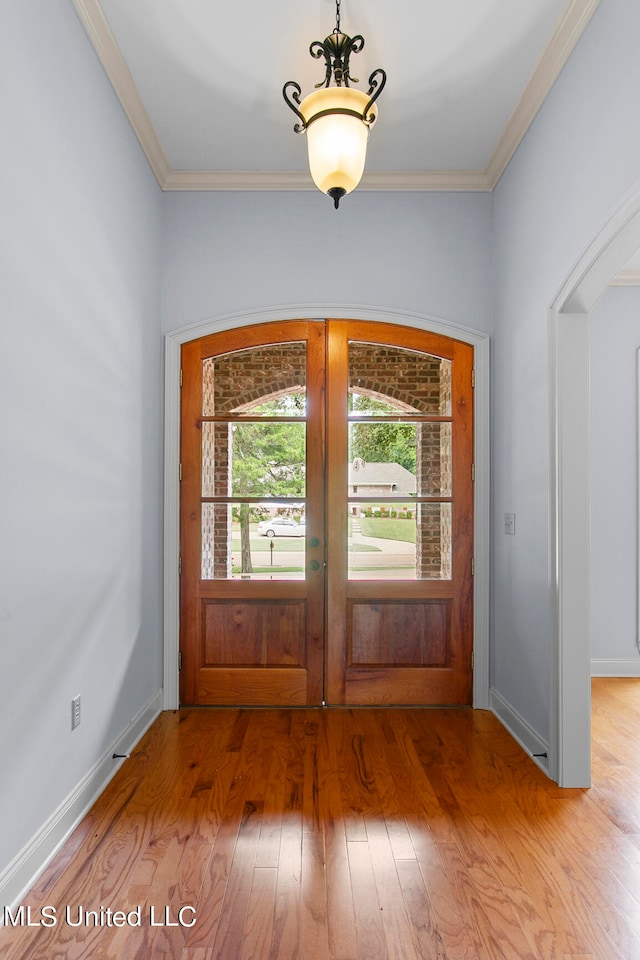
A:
[395,641]
[252,642]
[409,634]
[255,633]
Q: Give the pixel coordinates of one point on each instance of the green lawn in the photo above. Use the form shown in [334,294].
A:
[388,528]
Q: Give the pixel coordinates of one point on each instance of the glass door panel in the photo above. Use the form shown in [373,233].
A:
[399,541]
[400,464]
[402,380]
[394,458]
[254,464]
[244,381]
[276,541]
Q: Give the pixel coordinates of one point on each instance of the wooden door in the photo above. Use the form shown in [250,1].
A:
[389,511]
[252,449]
[400,550]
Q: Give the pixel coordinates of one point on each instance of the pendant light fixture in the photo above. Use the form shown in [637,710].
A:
[336,119]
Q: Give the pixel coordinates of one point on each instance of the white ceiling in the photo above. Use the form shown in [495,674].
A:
[201,82]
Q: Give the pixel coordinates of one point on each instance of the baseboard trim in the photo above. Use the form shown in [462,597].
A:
[615,668]
[20,875]
[520,730]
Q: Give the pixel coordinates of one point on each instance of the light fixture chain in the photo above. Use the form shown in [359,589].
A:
[337,30]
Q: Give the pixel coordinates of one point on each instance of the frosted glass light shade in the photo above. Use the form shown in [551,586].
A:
[337,141]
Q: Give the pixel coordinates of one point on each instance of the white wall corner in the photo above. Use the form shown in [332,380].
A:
[20,875]
[570,28]
[520,730]
[104,42]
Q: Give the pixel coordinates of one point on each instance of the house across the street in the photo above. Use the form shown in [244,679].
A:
[380,479]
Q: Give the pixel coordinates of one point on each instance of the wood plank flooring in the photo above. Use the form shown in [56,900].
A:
[351,835]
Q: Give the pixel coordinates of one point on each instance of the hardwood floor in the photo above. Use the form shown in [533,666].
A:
[351,835]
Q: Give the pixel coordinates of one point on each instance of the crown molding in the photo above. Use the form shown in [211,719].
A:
[573,22]
[253,180]
[104,42]
[417,180]
[626,278]
[575,18]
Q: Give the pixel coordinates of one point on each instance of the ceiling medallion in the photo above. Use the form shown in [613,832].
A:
[336,119]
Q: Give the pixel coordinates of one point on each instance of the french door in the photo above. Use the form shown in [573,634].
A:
[326,516]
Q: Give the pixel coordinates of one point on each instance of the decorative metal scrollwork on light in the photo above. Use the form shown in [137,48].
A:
[337,49]
[295,98]
[336,118]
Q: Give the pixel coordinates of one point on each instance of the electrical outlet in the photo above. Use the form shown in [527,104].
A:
[510,524]
[75,712]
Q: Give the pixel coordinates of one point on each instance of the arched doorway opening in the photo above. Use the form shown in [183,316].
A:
[570,741]
[273,417]
[480,344]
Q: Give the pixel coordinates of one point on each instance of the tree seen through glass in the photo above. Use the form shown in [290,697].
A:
[267,460]
[381,442]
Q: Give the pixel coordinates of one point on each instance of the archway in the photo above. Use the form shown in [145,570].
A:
[570,740]
[479,341]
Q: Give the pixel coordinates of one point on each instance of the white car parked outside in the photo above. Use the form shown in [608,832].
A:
[281,527]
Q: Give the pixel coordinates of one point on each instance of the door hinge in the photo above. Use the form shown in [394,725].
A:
[473,659]
[473,473]
[180,660]
[180,472]
[179,566]
[473,377]
[473,566]
[180,377]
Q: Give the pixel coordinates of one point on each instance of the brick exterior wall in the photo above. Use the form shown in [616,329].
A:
[235,382]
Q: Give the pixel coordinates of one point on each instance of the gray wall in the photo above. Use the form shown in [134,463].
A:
[233,252]
[80,395]
[615,339]
[577,162]
[82,221]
